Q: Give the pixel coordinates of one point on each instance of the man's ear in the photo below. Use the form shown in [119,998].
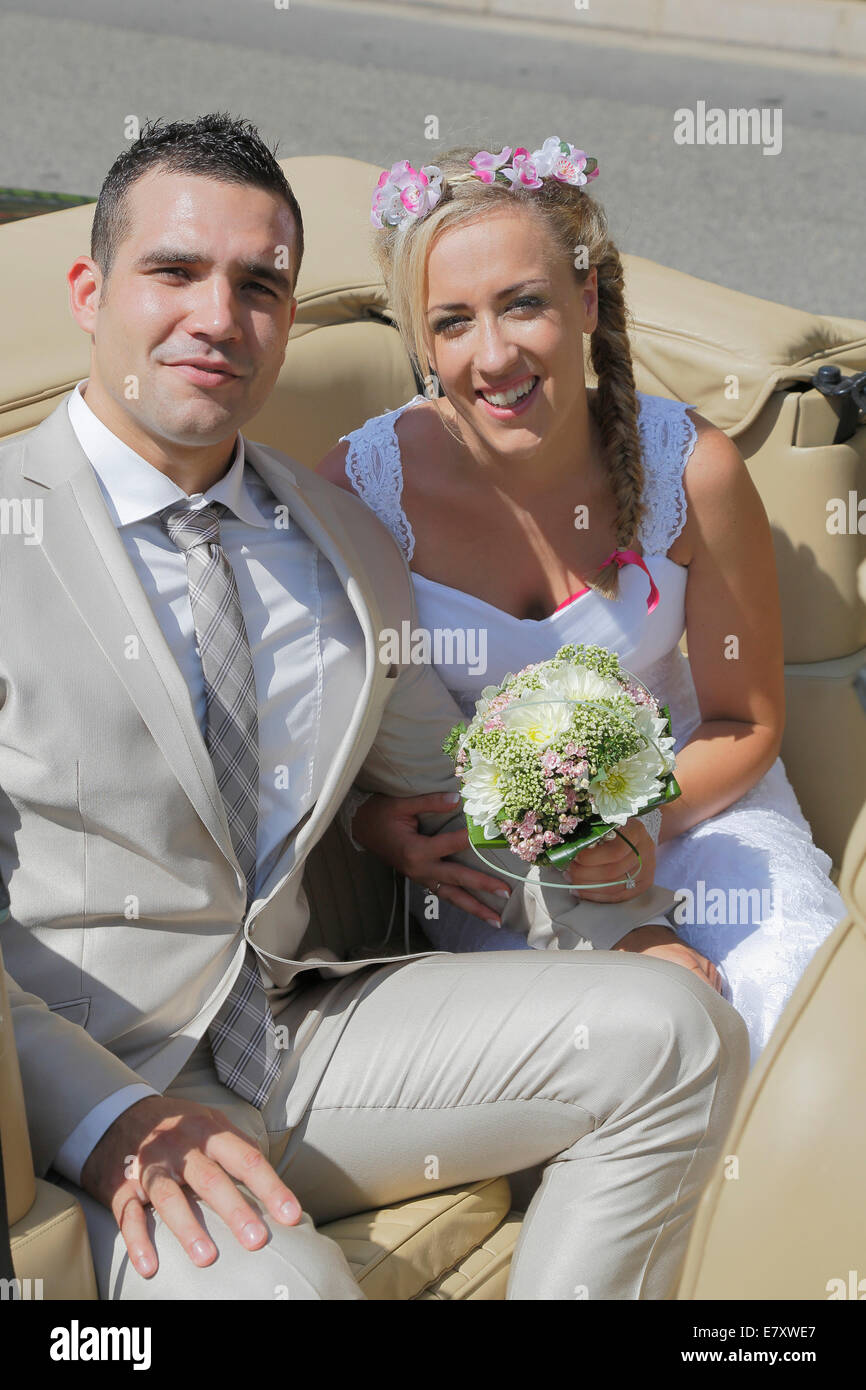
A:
[85,282]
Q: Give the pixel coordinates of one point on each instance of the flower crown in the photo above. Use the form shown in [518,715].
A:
[403,192]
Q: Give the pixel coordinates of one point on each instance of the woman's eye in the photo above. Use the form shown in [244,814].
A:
[445,325]
[527,301]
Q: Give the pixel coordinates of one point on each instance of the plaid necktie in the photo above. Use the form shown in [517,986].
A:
[242,1035]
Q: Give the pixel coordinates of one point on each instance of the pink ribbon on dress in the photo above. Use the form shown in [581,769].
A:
[566,601]
[631,557]
[620,557]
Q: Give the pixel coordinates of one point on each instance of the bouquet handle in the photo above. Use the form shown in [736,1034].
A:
[569,852]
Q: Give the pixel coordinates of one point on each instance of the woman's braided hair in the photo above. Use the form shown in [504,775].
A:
[577,223]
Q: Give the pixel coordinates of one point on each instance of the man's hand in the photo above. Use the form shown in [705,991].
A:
[655,940]
[161,1144]
[611,858]
[388,825]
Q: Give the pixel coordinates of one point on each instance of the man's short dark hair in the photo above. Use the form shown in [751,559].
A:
[217,146]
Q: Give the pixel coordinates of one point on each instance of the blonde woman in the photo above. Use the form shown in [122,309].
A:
[535,511]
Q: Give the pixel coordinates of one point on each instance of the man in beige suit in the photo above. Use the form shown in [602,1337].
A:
[189,686]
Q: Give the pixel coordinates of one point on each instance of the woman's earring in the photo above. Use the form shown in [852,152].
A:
[431,385]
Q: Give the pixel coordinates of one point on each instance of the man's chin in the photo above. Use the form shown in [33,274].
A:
[199,424]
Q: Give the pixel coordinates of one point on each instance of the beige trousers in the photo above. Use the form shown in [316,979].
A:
[620,1073]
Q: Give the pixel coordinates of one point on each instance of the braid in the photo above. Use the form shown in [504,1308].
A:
[615,412]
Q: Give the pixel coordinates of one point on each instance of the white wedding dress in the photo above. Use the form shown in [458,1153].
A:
[753,890]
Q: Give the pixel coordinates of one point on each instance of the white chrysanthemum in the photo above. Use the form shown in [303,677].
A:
[653,728]
[537,717]
[487,695]
[482,795]
[581,683]
[623,790]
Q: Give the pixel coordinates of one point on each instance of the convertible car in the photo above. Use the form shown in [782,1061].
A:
[790,388]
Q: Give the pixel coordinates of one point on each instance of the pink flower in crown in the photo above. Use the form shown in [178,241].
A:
[486,164]
[405,192]
[559,160]
[522,172]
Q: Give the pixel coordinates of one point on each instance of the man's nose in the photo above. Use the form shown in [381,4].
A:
[214,309]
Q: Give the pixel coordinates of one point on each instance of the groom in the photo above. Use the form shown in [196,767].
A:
[189,685]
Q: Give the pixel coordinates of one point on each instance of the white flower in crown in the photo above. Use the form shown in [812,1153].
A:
[559,160]
[404,192]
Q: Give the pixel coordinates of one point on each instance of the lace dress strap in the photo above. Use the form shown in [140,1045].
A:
[374,469]
[668,437]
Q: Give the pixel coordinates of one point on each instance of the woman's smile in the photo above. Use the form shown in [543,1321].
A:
[516,399]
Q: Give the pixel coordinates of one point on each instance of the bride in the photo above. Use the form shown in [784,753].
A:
[535,511]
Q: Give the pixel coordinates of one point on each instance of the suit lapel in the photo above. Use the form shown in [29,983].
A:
[86,553]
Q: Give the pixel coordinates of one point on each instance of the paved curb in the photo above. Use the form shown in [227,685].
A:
[820,28]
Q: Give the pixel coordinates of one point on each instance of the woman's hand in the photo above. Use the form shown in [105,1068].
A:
[388,825]
[611,858]
[656,940]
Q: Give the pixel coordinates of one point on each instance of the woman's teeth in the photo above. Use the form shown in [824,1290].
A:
[504,398]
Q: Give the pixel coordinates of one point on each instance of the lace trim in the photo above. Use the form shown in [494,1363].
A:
[374,469]
[668,436]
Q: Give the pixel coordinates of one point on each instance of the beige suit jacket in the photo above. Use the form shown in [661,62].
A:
[127,924]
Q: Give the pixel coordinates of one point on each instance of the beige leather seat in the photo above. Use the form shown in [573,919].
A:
[50,1249]
[746,365]
[784,1214]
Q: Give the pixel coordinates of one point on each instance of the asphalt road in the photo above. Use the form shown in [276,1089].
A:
[361,80]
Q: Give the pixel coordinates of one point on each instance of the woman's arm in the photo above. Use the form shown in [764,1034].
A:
[734,635]
[333,467]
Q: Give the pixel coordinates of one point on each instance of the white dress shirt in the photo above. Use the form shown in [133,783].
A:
[305,639]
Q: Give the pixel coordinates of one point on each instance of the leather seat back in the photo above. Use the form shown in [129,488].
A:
[783,1216]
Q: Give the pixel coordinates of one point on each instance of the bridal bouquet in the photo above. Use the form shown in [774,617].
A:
[560,754]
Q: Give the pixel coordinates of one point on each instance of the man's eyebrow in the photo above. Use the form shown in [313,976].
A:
[168,255]
[263,271]
[501,294]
